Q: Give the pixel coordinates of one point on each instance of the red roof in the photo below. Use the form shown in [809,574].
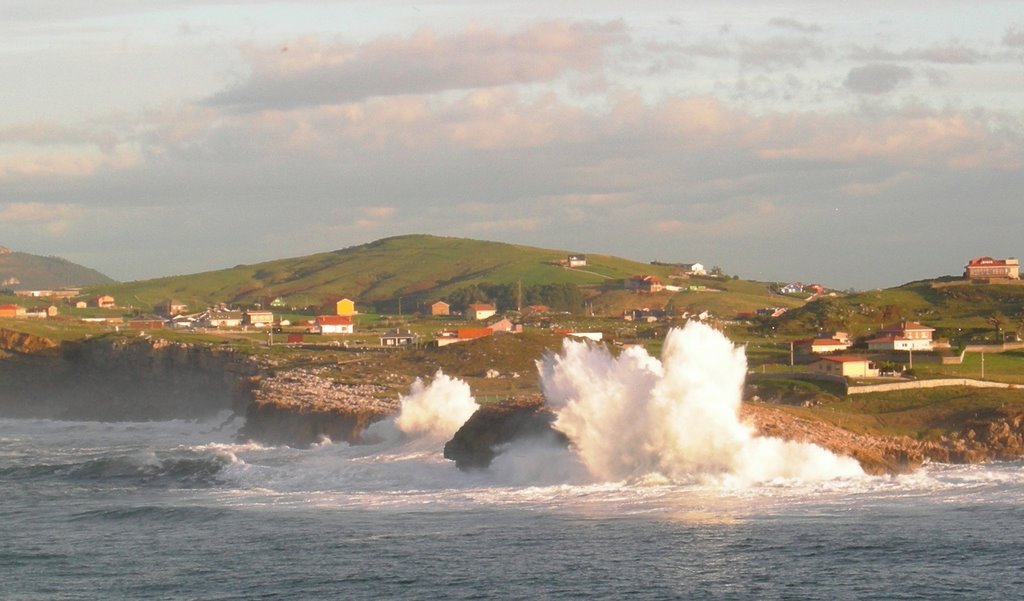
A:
[471,333]
[334,320]
[481,307]
[986,261]
[906,326]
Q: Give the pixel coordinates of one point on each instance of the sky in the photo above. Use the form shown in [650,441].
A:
[854,144]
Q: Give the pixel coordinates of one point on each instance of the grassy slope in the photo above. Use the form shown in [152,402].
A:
[36,272]
[954,307]
[423,268]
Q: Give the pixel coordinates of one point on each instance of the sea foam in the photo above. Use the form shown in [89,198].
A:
[632,415]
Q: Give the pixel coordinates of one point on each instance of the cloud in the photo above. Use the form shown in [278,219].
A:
[781,52]
[876,78]
[1014,37]
[953,53]
[307,72]
[795,25]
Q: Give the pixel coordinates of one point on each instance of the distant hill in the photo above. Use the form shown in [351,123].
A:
[22,271]
[958,309]
[420,268]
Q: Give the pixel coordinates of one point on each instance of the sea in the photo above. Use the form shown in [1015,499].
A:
[182,509]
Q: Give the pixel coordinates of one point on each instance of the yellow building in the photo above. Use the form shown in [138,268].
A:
[345,307]
[850,367]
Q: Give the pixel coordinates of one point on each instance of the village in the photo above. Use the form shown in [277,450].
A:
[888,351]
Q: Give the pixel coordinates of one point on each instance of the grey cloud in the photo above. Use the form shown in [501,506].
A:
[420,64]
[1014,37]
[952,53]
[781,52]
[877,78]
[794,25]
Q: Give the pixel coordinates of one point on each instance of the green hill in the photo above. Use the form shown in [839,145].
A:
[422,268]
[23,271]
[958,309]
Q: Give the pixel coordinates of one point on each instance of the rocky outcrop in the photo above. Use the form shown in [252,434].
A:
[476,443]
[995,438]
[301,407]
[120,379]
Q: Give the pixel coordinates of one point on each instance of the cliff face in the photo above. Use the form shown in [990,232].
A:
[116,379]
[301,407]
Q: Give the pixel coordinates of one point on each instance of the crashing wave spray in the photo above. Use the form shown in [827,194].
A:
[437,409]
[633,415]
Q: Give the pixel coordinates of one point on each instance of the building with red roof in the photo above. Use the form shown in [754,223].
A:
[987,268]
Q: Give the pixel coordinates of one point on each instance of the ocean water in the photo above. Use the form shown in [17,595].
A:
[176,510]
[663,494]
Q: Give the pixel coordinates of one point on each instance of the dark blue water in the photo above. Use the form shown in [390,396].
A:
[173,510]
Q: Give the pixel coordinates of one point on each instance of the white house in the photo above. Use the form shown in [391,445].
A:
[480,311]
[334,324]
[903,336]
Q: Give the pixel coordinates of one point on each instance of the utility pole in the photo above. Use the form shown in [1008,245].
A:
[982,365]
[519,295]
[791,353]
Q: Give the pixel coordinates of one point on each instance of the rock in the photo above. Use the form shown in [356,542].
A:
[474,444]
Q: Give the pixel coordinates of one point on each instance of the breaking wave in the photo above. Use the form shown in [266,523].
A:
[632,415]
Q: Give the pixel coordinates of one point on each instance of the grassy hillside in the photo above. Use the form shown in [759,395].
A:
[956,308]
[34,272]
[421,268]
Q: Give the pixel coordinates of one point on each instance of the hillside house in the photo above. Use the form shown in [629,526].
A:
[846,366]
[171,307]
[398,337]
[793,288]
[12,311]
[693,269]
[220,318]
[644,283]
[480,311]
[903,336]
[334,324]
[504,325]
[461,335]
[820,345]
[577,260]
[440,308]
[345,307]
[103,301]
[146,322]
[988,269]
[258,318]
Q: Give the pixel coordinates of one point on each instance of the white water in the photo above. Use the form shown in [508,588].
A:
[634,416]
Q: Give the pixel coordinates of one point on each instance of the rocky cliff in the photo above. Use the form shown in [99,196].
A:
[302,406]
[114,379]
[474,444]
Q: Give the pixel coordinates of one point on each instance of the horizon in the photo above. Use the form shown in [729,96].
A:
[857,146]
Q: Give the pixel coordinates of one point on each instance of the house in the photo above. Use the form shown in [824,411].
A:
[277,303]
[794,288]
[693,269]
[146,322]
[987,269]
[440,308]
[81,305]
[43,311]
[502,325]
[220,318]
[644,283]
[181,322]
[577,260]
[846,366]
[820,345]
[345,307]
[480,311]
[334,324]
[11,311]
[398,337]
[103,301]
[461,335]
[171,307]
[258,318]
[903,336]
